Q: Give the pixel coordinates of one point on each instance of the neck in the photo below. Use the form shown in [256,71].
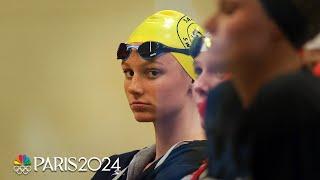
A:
[183,126]
[248,81]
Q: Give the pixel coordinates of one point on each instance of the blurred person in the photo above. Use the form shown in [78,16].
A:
[210,72]
[311,55]
[264,123]
[158,84]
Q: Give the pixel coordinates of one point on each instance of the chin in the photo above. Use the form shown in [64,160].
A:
[144,117]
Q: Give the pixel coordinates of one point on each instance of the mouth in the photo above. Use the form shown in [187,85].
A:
[139,105]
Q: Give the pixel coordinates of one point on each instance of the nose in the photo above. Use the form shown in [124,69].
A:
[136,86]
[201,86]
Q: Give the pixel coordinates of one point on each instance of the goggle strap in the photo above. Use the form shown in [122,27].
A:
[177,50]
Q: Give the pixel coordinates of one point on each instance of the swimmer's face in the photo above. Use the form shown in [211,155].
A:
[242,30]
[155,89]
[210,73]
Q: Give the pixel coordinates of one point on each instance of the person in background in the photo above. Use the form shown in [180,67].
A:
[158,82]
[264,122]
[311,55]
[210,72]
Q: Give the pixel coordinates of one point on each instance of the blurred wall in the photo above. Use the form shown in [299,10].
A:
[61,91]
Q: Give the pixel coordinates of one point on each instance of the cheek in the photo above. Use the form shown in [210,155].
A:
[213,81]
[170,92]
[167,91]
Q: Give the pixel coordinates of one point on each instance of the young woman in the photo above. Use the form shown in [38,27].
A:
[159,73]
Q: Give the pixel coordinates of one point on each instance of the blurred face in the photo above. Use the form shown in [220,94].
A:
[210,73]
[155,89]
[242,32]
[312,55]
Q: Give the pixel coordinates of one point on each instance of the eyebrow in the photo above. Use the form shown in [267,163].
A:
[146,63]
[124,63]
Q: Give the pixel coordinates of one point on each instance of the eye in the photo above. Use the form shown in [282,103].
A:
[128,73]
[198,70]
[228,7]
[153,73]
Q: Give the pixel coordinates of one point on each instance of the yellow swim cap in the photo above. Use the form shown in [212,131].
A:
[173,29]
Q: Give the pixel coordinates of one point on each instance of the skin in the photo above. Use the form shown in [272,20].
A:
[160,92]
[255,49]
[311,59]
[311,55]
[210,74]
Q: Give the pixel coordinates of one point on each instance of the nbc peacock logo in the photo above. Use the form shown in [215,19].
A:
[22,164]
